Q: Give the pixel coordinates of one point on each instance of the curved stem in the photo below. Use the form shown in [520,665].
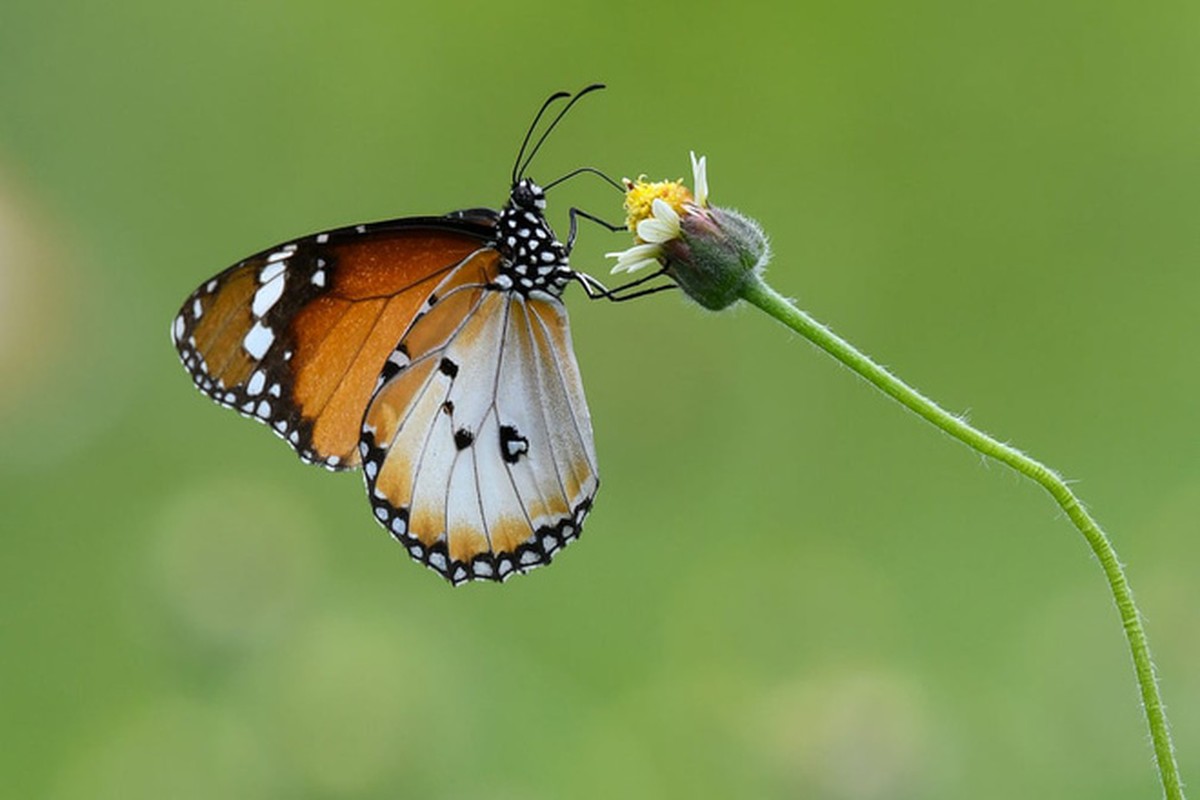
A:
[764,297]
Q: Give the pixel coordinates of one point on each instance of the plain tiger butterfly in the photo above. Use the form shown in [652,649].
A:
[432,352]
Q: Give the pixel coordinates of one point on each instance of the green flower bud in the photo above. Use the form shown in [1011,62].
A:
[717,251]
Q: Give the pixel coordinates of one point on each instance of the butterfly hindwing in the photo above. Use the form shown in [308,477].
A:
[477,446]
[296,336]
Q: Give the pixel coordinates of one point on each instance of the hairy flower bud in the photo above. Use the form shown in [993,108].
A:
[717,251]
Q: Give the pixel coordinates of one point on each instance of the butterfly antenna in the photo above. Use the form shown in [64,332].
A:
[529,133]
[581,171]
[586,90]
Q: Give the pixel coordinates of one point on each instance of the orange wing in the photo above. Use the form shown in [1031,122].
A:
[296,336]
[477,447]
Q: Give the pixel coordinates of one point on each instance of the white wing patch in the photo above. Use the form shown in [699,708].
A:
[477,445]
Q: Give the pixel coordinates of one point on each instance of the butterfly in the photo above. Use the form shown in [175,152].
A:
[435,354]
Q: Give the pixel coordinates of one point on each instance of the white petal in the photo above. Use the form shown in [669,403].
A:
[635,266]
[651,230]
[700,179]
[662,227]
[635,253]
[663,212]
[636,257]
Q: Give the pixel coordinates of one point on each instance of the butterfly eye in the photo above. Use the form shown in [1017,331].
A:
[528,196]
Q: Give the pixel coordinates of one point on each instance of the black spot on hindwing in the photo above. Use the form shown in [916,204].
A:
[448,367]
[463,438]
[512,444]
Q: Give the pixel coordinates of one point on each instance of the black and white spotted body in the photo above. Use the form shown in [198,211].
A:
[532,258]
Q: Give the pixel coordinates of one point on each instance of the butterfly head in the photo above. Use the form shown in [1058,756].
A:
[527,196]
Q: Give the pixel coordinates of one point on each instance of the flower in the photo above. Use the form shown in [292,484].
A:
[709,252]
[653,210]
[641,194]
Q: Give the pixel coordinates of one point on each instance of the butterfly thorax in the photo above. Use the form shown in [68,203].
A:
[531,257]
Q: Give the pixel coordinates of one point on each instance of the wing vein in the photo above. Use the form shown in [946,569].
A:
[462,262]
[349,363]
[567,392]
[487,533]
[491,409]
[494,410]
[542,411]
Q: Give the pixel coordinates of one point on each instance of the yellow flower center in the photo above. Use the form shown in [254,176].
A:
[640,195]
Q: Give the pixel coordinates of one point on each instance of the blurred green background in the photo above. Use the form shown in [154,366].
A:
[789,586]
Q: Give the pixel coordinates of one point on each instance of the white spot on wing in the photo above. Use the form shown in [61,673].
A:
[258,340]
[318,278]
[267,296]
[282,253]
[257,381]
[269,272]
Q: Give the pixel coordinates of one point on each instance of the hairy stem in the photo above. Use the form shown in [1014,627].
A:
[758,293]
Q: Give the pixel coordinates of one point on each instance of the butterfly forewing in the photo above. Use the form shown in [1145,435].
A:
[478,447]
[296,336]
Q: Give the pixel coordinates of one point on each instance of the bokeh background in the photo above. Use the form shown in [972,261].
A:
[789,587]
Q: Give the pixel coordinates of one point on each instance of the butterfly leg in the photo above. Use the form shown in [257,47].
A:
[597,290]
[575,214]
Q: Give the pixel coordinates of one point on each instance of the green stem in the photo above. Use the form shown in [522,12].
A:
[760,294]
